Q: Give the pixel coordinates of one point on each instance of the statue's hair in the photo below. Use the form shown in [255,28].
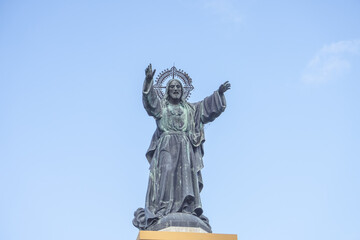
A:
[167,95]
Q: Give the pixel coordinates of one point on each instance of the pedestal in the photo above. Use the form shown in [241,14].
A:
[162,235]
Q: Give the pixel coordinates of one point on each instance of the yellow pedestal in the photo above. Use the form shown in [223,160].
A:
[158,235]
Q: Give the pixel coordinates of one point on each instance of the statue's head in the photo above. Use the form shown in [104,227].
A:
[174,91]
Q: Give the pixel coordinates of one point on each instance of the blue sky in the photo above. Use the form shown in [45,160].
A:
[282,162]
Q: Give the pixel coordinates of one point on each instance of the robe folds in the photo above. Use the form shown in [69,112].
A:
[176,153]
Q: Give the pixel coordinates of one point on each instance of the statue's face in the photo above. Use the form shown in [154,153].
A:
[175,90]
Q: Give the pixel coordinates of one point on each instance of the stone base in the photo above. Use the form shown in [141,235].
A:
[162,235]
[182,220]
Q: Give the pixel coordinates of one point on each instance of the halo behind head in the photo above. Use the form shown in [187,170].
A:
[166,76]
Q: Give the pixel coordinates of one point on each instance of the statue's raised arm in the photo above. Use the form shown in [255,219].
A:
[149,75]
[150,100]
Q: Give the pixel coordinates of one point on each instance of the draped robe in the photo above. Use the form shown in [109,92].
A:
[176,153]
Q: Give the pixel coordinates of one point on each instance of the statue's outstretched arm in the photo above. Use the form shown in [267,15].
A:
[213,105]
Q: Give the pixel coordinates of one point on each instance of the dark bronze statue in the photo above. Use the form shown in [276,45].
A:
[175,156]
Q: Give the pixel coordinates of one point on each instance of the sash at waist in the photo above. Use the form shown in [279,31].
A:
[174,133]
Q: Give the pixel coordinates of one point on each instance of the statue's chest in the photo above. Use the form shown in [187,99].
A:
[176,117]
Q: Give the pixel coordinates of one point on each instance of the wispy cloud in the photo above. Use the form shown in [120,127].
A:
[331,61]
[225,9]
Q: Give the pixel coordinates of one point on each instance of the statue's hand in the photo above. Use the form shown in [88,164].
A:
[149,73]
[224,87]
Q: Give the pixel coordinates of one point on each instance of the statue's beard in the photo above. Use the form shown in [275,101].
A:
[175,95]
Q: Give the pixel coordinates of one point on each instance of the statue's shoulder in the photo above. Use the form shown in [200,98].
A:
[191,106]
